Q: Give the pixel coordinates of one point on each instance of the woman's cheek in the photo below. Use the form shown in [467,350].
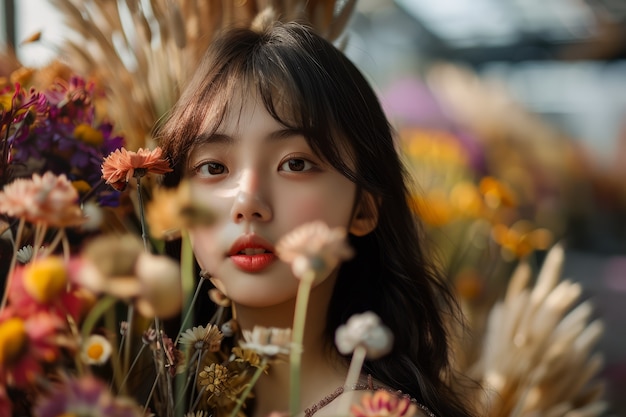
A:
[202,243]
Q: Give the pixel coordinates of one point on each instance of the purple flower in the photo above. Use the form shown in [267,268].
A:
[85,396]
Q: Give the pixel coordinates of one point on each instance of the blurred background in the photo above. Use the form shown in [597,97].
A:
[511,114]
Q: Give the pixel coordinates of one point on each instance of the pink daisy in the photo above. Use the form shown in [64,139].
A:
[47,199]
[121,165]
[314,247]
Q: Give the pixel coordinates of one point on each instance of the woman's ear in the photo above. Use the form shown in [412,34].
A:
[365,216]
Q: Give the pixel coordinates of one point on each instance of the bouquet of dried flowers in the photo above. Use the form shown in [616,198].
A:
[84,326]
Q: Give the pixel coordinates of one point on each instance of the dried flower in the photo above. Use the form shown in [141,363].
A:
[247,356]
[172,210]
[26,343]
[94,216]
[202,338]
[25,254]
[161,291]
[120,166]
[382,403]
[267,341]
[45,279]
[47,199]
[364,330]
[85,396]
[44,285]
[215,380]
[314,246]
[230,328]
[96,350]
[13,340]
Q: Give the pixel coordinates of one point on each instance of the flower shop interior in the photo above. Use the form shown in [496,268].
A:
[511,116]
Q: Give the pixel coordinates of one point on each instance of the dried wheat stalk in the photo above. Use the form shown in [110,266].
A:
[539,357]
[143,52]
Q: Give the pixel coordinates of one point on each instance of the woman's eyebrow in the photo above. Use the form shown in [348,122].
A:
[285,134]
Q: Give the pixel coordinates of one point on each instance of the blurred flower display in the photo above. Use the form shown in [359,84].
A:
[83,321]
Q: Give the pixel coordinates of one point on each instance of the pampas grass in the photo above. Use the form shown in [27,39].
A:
[538,356]
[143,52]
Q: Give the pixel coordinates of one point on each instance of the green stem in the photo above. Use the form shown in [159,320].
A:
[246,392]
[297,336]
[101,307]
[187,281]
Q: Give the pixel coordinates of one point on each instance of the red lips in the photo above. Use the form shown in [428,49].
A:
[250,253]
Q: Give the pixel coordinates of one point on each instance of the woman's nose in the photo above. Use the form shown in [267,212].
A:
[249,206]
[249,203]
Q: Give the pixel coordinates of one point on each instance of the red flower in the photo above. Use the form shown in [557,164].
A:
[121,165]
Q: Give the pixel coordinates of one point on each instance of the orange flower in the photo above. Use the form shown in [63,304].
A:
[44,199]
[121,165]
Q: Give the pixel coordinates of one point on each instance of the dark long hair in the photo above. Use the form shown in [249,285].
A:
[308,84]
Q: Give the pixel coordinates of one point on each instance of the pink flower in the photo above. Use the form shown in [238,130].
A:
[26,343]
[47,199]
[314,247]
[383,404]
[121,165]
[42,286]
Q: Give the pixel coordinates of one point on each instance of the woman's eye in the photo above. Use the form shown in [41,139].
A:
[296,165]
[207,169]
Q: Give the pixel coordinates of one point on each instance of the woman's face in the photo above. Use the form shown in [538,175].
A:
[263,180]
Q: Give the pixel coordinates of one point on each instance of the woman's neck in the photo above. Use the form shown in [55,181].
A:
[322,371]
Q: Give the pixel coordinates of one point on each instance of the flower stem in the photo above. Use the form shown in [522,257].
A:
[356,363]
[130,368]
[246,392]
[297,336]
[187,278]
[18,238]
[142,217]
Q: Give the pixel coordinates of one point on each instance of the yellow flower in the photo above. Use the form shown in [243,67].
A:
[246,355]
[88,135]
[466,199]
[96,350]
[434,209]
[521,239]
[45,279]
[171,210]
[81,186]
[13,340]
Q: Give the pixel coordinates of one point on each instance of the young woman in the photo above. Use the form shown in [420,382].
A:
[276,129]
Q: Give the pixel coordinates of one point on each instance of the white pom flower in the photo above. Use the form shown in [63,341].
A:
[364,330]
